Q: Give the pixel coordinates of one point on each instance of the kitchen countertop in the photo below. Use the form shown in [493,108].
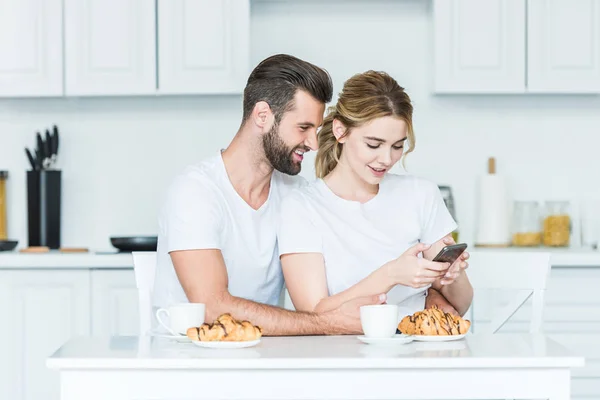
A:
[560,258]
[55,259]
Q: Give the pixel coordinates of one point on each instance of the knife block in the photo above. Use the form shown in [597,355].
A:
[43,208]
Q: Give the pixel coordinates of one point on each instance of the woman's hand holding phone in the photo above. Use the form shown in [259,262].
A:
[457,266]
[411,270]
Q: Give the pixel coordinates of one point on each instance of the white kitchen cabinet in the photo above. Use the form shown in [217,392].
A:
[31,62]
[563,46]
[40,311]
[516,46]
[479,46]
[203,46]
[114,303]
[110,47]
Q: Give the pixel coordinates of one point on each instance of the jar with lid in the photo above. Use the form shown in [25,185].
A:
[3,229]
[557,224]
[526,224]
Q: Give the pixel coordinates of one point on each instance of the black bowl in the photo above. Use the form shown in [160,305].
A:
[8,245]
[135,243]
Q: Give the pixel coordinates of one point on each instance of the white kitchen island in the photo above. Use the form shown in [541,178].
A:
[315,367]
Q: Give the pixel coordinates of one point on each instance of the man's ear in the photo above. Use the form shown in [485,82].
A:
[262,116]
[339,130]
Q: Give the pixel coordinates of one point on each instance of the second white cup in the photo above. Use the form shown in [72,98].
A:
[181,317]
[379,321]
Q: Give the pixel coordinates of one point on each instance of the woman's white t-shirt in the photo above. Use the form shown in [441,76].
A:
[356,239]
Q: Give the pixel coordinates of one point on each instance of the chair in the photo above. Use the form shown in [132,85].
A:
[526,271]
[144,266]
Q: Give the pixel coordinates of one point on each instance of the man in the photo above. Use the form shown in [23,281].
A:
[217,231]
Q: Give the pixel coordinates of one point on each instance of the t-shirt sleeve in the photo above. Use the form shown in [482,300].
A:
[296,231]
[193,215]
[436,219]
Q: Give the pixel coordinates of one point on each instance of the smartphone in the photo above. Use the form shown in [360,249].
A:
[450,253]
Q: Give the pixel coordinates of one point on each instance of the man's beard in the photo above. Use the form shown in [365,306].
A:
[279,154]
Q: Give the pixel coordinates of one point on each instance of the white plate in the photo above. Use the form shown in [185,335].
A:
[177,338]
[226,345]
[396,339]
[426,338]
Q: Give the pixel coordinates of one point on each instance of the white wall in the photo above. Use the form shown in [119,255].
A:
[117,154]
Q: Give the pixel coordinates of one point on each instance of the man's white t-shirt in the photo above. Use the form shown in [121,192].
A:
[203,211]
[356,239]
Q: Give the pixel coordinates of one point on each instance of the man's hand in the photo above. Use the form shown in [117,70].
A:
[435,298]
[346,318]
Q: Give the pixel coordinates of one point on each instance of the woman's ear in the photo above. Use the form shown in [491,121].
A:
[339,130]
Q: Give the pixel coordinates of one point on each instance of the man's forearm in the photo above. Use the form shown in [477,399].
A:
[435,298]
[274,321]
[459,294]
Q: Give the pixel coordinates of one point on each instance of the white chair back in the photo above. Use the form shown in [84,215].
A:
[526,271]
[144,266]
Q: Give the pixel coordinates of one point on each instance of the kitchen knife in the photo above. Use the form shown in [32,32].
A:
[39,144]
[31,160]
[48,148]
[44,158]
[39,151]
[54,143]
[38,159]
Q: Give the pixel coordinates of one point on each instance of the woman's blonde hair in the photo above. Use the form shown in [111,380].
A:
[365,97]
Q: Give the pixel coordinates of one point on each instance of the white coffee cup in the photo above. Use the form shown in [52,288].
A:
[379,321]
[181,317]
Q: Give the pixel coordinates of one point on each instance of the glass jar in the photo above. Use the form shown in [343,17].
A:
[557,224]
[526,226]
[3,232]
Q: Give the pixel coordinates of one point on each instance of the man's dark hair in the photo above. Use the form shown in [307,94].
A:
[277,78]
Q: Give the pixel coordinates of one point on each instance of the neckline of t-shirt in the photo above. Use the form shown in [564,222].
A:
[350,203]
[234,192]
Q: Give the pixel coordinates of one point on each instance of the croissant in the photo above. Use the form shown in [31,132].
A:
[225,328]
[433,322]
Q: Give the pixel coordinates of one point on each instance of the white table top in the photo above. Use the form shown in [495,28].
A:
[309,352]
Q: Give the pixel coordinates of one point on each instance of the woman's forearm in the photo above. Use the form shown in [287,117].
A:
[378,281]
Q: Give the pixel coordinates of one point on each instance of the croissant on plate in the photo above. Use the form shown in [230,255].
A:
[225,329]
[433,322]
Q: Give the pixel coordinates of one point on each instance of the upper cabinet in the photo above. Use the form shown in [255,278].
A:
[517,46]
[563,46]
[110,47]
[203,46]
[479,46]
[123,47]
[31,48]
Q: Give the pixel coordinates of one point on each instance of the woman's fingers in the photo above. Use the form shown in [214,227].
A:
[448,240]
[420,281]
[434,265]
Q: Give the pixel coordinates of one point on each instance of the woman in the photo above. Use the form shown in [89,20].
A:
[359,230]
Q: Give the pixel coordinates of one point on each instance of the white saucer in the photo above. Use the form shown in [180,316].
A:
[226,345]
[426,338]
[165,335]
[396,339]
